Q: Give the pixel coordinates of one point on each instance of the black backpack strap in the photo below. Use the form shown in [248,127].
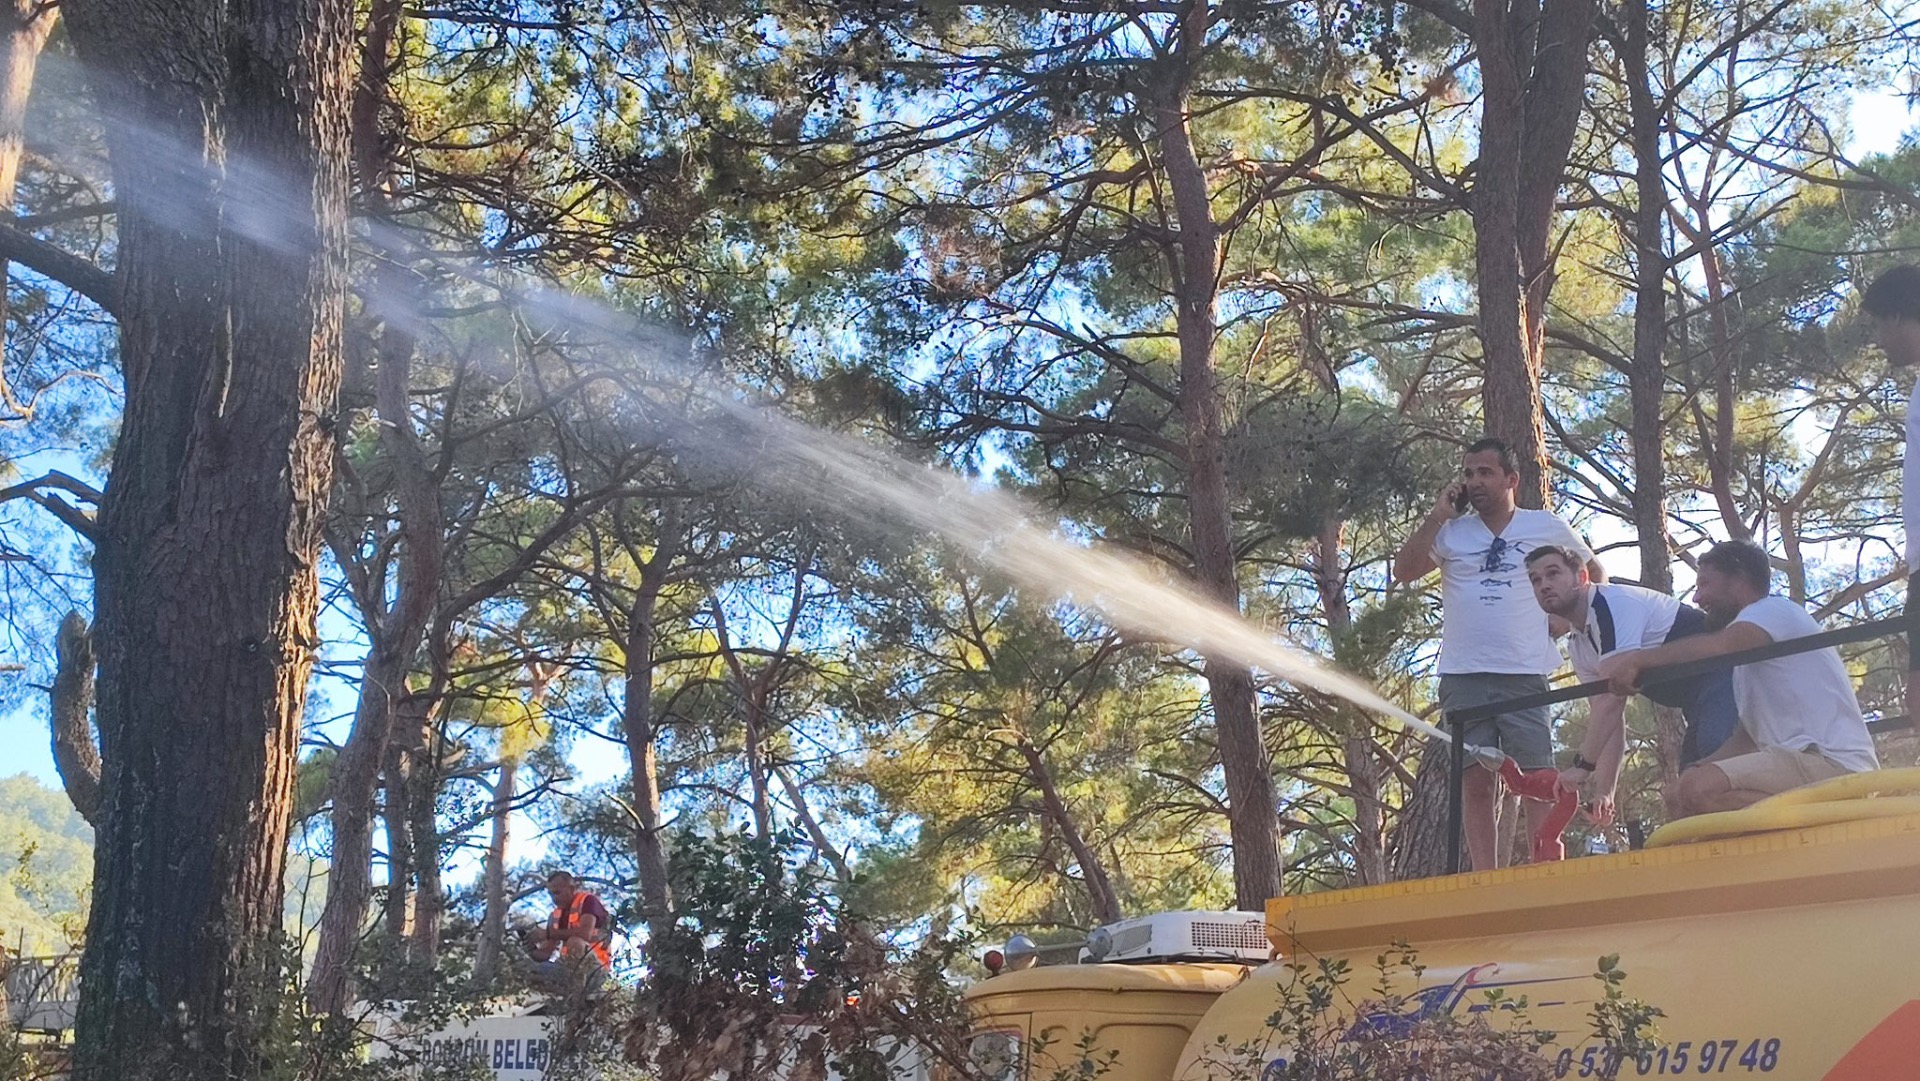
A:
[1605,615]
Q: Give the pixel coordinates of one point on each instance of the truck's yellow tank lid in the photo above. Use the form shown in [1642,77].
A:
[1208,979]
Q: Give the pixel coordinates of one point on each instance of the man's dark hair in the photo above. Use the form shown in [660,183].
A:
[560,873]
[1499,446]
[1742,559]
[1895,294]
[1573,560]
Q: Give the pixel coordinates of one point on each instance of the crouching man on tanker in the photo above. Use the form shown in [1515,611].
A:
[1799,720]
[1608,619]
[571,954]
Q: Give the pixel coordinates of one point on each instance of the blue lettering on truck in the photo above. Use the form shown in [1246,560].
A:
[457,1050]
[1744,1055]
[516,1054]
[1749,1055]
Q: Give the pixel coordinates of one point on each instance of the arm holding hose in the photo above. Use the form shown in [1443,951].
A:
[1605,747]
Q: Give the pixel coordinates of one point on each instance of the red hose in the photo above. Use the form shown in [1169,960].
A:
[1543,786]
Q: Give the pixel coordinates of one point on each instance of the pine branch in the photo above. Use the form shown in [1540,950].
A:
[80,275]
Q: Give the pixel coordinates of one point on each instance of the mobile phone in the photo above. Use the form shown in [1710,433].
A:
[1460,501]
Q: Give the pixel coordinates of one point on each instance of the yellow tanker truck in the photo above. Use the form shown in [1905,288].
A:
[1782,941]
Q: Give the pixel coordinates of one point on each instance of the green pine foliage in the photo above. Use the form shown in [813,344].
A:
[46,868]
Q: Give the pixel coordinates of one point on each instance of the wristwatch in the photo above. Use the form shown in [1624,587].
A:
[1581,763]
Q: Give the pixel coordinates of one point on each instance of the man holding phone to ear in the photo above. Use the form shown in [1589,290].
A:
[1494,641]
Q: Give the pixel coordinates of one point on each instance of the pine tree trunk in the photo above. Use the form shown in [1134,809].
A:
[429,895]
[396,817]
[493,924]
[356,779]
[759,793]
[24,26]
[1369,812]
[76,754]
[400,629]
[1357,747]
[1719,436]
[1106,903]
[1646,382]
[354,785]
[1253,822]
[1533,67]
[649,842]
[226,126]
[1510,385]
[1669,739]
[1419,841]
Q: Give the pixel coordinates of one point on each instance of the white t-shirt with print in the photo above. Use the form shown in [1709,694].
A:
[1489,619]
[1910,480]
[1642,619]
[1805,700]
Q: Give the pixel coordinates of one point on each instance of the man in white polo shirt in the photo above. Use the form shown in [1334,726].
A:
[1609,618]
[1799,720]
[1494,643]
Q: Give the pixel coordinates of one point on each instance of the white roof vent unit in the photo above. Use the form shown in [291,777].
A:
[1181,936]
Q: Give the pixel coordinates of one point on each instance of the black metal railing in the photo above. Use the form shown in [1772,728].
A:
[1458,720]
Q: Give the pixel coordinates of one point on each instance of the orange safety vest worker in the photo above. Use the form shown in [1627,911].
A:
[565,920]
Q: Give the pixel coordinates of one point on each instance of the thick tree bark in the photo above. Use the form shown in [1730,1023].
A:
[1669,737]
[1253,823]
[355,785]
[1646,382]
[493,923]
[226,126]
[1419,842]
[759,794]
[642,737]
[1717,436]
[1369,811]
[1533,67]
[429,895]
[419,782]
[24,26]
[1510,385]
[1795,555]
[396,817]
[75,754]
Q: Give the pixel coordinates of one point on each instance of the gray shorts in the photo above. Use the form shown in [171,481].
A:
[1526,736]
